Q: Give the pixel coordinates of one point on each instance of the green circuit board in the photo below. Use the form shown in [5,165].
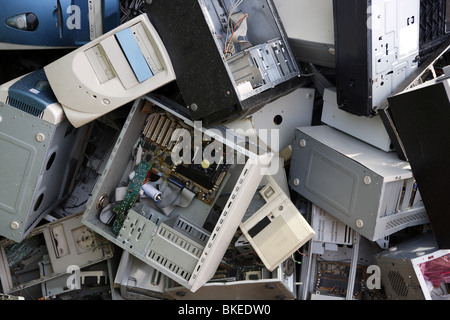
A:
[122,209]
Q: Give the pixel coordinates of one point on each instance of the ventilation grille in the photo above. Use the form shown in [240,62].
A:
[180,242]
[187,228]
[398,284]
[24,107]
[406,220]
[166,263]
[276,241]
[432,24]
[338,233]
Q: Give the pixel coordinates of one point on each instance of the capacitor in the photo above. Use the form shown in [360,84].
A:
[152,192]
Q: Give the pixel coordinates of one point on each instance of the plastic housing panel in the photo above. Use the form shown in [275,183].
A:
[283,231]
[97,77]
[229,220]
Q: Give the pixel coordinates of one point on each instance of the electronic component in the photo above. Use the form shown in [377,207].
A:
[332,278]
[376,49]
[236,52]
[422,125]
[110,71]
[310,29]
[168,234]
[334,263]
[132,194]
[48,251]
[278,229]
[41,154]
[370,130]
[415,270]
[369,190]
[55,24]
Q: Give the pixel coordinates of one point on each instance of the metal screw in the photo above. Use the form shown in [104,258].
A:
[367,180]
[194,107]
[302,143]
[359,224]
[296,182]
[15,225]
[40,137]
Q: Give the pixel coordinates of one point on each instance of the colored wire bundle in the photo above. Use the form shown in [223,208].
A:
[234,31]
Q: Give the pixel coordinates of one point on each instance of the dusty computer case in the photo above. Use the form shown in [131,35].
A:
[230,57]
[257,284]
[41,154]
[377,48]
[155,206]
[368,189]
[110,71]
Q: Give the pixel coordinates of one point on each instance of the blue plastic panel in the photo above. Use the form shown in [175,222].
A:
[134,55]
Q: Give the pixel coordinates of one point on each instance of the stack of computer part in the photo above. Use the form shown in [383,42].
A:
[226,149]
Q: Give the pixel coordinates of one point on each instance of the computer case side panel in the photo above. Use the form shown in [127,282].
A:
[189,28]
[351,49]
